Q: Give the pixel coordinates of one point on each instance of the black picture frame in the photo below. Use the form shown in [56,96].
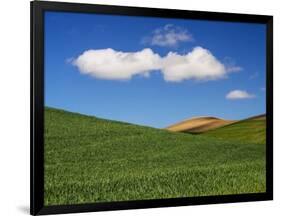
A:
[37,106]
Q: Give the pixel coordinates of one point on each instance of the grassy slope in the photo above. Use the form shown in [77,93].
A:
[93,160]
[252,130]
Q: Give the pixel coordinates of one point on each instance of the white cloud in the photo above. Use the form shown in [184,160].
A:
[231,65]
[239,94]
[198,64]
[233,68]
[168,36]
[116,65]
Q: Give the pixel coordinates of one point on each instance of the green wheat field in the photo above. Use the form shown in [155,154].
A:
[88,159]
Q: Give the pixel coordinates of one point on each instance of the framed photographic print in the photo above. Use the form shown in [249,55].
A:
[140,107]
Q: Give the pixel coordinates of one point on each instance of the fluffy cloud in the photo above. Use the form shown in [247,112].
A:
[198,64]
[116,65]
[168,36]
[239,94]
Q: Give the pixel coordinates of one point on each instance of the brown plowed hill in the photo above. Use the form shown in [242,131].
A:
[199,124]
[203,124]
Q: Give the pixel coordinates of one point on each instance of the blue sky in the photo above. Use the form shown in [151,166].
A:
[119,67]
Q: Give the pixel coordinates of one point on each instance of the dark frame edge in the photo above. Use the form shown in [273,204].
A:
[159,203]
[36,108]
[31,110]
[146,11]
[269,106]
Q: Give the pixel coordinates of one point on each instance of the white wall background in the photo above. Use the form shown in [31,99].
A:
[14,106]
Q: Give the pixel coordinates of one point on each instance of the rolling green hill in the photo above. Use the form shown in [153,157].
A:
[88,159]
[250,130]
